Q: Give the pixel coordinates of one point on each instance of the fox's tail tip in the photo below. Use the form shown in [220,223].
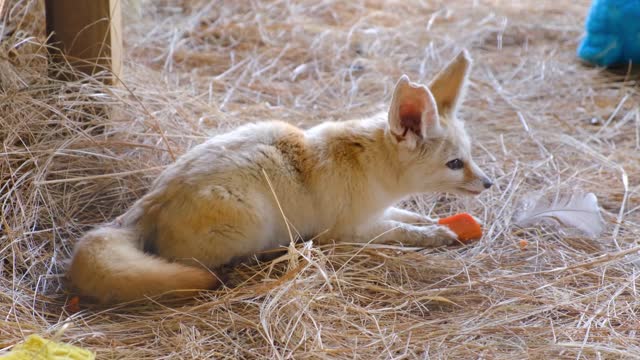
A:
[108,266]
[203,279]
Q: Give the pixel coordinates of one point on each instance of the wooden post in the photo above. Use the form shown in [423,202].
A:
[87,34]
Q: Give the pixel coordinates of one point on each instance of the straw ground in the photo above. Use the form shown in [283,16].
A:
[78,153]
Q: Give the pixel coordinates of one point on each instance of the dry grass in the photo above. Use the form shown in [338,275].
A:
[195,68]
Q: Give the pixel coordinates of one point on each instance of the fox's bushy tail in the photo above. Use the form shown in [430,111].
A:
[109,265]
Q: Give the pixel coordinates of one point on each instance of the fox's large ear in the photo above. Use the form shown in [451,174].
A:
[413,114]
[448,87]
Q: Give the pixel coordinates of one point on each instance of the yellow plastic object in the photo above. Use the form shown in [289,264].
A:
[37,348]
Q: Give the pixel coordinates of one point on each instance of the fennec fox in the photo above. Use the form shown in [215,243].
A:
[214,204]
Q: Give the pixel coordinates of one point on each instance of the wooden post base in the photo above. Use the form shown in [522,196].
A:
[87,34]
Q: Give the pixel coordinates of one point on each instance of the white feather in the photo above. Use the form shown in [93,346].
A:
[579,211]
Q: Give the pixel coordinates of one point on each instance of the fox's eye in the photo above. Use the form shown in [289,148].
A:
[455,164]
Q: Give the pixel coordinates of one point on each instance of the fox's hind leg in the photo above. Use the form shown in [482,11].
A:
[214,227]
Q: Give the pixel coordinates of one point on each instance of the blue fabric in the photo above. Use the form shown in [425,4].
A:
[613,33]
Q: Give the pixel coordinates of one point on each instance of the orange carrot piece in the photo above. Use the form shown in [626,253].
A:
[464,225]
[523,244]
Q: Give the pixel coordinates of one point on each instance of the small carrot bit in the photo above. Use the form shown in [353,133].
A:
[73,306]
[523,244]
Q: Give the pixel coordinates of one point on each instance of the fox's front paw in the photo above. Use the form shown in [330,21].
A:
[442,235]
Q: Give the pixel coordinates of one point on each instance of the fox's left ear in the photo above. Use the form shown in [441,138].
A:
[448,87]
[413,115]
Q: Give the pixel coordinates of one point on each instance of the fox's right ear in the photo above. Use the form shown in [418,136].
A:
[413,114]
[449,86]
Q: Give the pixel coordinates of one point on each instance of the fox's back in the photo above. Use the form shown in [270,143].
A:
[243,152]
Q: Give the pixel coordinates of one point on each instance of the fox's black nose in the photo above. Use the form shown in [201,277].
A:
[487,183]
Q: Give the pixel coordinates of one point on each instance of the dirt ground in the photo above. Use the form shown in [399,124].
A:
[75,154]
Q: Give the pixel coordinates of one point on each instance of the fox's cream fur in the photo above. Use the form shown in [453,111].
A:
[339,179]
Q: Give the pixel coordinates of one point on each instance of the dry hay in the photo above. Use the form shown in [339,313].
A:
[74,154]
